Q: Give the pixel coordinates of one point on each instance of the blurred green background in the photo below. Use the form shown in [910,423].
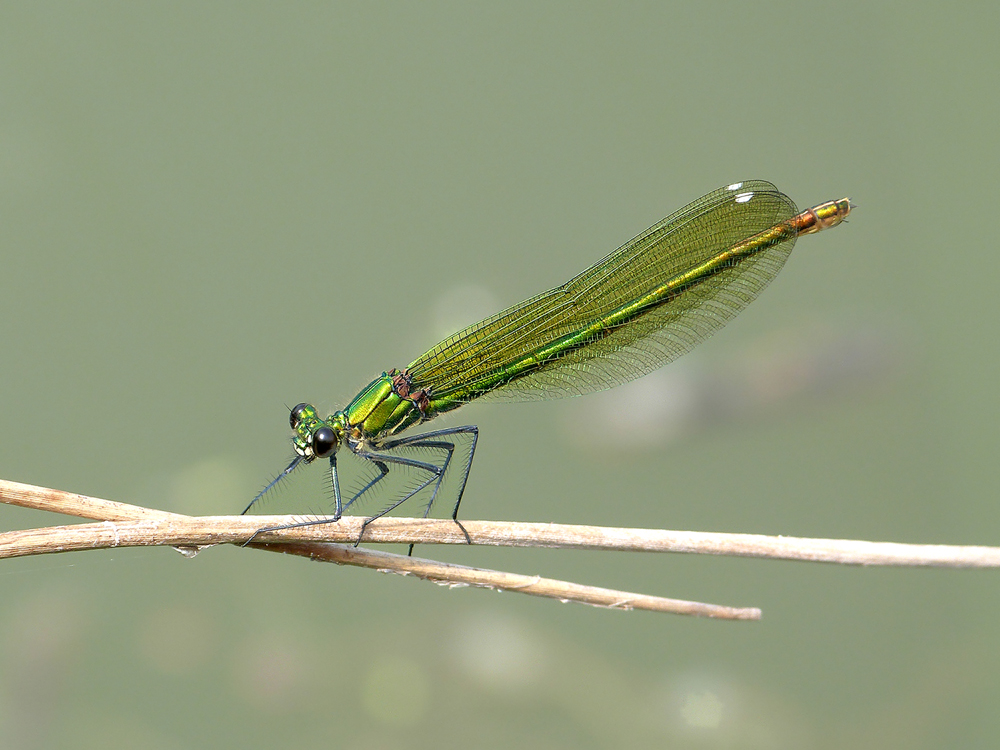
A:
[211,212]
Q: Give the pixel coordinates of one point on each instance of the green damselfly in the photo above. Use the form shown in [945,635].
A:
[645,304]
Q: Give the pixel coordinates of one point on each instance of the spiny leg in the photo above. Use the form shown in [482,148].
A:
[339,509]
[383,473]
[474,431]
[449,448]
[415,440]
[285,472]
[435,473]
[418,441]
[380,460]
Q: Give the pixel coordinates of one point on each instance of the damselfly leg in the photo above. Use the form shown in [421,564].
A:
[385,456]
[426,440]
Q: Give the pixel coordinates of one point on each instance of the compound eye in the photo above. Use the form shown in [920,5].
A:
[324,442]
[296,415]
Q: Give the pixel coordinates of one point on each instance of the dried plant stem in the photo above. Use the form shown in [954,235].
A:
[199,530]
[72,504]
[129,525]
[461,575]
[184,531]
[159,528]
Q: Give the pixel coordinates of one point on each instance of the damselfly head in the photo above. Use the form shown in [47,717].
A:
[314,437]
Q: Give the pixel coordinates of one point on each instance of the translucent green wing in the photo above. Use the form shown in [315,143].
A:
[642,306]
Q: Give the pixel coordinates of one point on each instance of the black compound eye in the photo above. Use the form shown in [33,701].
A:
[296,415]
[324,442]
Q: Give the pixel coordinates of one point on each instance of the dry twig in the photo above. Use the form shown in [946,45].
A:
[129,525]
[126,525]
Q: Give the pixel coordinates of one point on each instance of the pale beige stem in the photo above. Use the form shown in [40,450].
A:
[130,526]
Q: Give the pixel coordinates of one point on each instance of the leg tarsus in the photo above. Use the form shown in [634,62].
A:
[317,522]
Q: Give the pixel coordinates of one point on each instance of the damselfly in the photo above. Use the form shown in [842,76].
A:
[645,304]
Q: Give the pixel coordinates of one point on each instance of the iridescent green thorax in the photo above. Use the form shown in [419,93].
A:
[385,407]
